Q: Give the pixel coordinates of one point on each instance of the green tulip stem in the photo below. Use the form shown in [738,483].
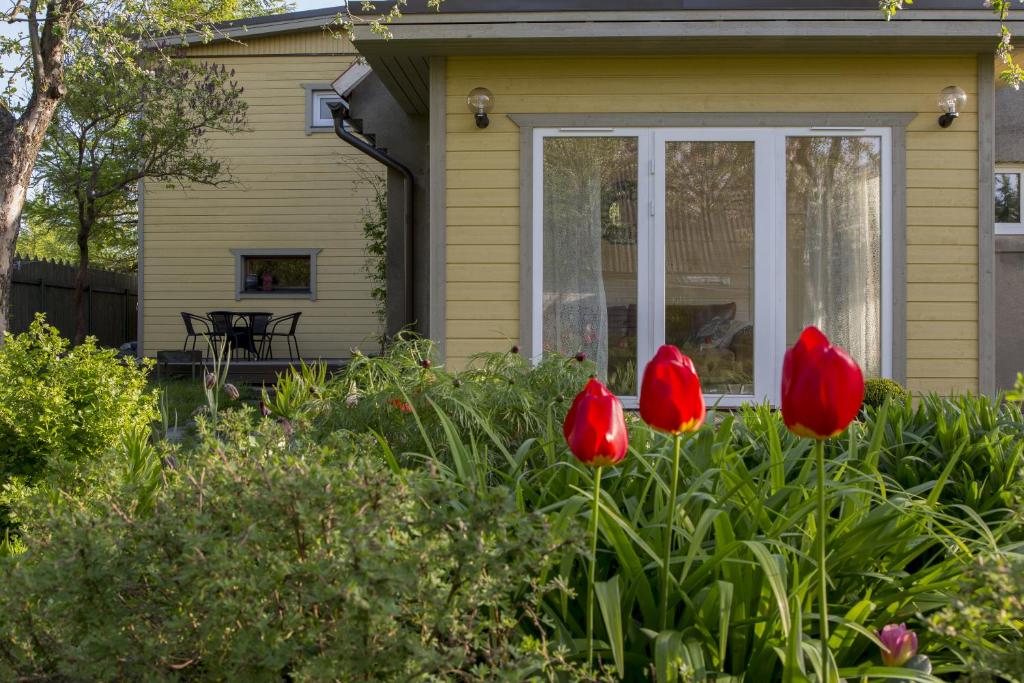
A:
[819,447]
[593,567]
[666,554]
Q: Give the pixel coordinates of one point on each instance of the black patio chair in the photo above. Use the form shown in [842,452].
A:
[196,326]
[224,328]
[260,323]
[281,326]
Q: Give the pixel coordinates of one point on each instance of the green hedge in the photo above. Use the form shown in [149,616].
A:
[60,407]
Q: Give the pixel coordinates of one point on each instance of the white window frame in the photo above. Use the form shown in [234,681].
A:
[315,98]
[1009,228]
[769,241]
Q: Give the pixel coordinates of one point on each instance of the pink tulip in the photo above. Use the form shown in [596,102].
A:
[899,644]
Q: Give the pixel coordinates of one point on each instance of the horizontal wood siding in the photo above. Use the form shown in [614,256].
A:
[291,190]
[942,176]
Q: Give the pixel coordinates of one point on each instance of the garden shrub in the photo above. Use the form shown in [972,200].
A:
[61,406]
[402,518]
[403,394]
[987,618]
[264,557]
[878,389]
[973,446]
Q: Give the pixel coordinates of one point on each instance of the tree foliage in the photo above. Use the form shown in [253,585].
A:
[61,38]
[119,125]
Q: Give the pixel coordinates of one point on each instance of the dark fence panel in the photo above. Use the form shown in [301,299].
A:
[49,287]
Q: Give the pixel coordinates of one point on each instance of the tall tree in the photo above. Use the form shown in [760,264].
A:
[62,36]
[117,126]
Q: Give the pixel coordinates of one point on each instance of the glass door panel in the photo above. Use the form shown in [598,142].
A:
[709,218]
[834,242]
[590,253]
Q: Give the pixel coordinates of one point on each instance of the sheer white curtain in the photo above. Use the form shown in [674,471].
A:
[584,177]
[834,242]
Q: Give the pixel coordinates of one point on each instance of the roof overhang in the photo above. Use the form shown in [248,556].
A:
[401,60]
[288,22]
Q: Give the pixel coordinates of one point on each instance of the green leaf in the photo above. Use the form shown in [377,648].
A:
[611,611]
[776,581]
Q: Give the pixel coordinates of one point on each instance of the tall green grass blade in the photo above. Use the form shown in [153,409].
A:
[776,580]
[611,611]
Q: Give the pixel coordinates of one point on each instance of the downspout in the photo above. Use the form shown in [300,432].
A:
[340,113]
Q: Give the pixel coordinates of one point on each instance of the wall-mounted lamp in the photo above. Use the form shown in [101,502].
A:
[951,100]
[481,102]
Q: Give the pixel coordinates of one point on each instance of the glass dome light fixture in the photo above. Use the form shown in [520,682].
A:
[951,100]
[481,101]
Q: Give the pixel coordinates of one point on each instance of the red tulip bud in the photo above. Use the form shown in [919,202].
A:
[515,348]
[671,398]
[595,427]
[822,387]
[580,357]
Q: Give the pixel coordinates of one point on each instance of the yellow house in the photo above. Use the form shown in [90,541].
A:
[605,177]
[711,174]
[287,235]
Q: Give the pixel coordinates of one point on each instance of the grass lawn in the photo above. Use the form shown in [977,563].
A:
[181,397]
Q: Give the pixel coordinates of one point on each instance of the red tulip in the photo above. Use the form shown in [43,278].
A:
[822,387]
[670,397]
[595,427]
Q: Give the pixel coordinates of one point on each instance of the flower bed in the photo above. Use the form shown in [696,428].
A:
[401,522]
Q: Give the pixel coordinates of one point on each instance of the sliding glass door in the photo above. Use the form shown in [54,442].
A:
[724,242]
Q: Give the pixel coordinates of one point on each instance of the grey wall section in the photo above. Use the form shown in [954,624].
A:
[1009,250]
[1009,126]
[1010,304]
[405,138]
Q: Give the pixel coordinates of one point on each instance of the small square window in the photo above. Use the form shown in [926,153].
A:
[288,273]
[321,110]
[1008,201]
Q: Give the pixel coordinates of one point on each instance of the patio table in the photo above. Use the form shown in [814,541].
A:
[244,336]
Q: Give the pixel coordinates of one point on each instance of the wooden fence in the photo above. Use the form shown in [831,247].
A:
[49,287]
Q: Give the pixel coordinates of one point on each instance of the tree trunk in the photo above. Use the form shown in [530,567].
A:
[20,140]
[85,223]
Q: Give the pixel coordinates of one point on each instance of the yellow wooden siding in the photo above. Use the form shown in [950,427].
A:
[293,190]
[314,41]
[942,177]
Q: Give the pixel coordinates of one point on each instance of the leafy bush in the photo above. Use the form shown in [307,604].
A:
[987,618]
[61,407]
[264,558]
[971,446]
[877,390]
[411,402]
[460,485]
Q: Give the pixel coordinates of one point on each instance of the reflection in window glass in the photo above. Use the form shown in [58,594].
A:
[833,233]
[321,107]
[590,254]
[709,260]
[1007,198]
[285,274]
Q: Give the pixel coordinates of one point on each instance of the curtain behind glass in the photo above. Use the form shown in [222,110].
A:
[833,226]
[590,274]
